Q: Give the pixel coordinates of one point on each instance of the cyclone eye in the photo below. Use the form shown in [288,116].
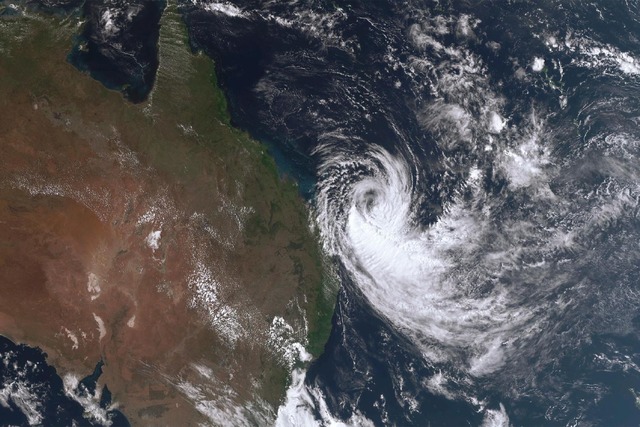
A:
[369,199]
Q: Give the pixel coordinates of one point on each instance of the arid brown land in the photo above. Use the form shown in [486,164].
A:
[154,237]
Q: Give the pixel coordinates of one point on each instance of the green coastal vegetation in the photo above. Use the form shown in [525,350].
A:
[286,209]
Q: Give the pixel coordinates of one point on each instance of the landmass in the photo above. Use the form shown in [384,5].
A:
[153,236]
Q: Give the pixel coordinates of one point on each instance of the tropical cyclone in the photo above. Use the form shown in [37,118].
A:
[154,237]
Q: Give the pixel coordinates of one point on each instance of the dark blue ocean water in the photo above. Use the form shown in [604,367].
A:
[118,45]
[24,371]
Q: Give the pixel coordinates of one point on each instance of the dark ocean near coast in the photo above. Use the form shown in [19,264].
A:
[34,394]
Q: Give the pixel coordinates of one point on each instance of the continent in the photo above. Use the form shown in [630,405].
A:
[152,236]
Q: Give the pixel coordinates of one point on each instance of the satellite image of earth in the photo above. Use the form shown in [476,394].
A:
[320,213]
